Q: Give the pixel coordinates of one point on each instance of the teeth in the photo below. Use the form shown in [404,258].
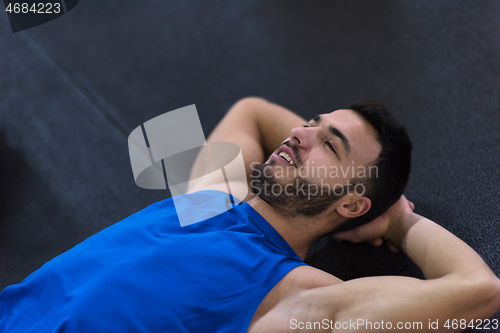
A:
[286,157]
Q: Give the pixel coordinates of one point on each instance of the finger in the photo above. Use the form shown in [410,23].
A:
[392,247]
[375,242]
[360,234]
[410,203]
[355,235]
[344,235]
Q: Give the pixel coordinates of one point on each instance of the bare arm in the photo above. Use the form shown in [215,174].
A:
[459,284]
[258,127]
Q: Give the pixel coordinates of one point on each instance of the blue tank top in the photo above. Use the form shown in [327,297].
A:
[146,273]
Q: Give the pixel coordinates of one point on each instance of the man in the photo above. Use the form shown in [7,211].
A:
[459,284]
[243,270]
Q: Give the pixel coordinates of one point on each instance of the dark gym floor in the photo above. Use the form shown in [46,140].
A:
[74,88]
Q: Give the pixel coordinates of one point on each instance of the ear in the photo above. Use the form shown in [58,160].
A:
[354,207]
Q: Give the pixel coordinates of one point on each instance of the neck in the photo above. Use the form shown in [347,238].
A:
[299,232]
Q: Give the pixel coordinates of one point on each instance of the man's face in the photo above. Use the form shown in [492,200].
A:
[318,163]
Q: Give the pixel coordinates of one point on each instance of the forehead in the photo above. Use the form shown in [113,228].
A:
[363,139]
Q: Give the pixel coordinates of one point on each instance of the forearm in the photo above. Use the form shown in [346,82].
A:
[275,124]
[441,255]
[257,126]
[436,251]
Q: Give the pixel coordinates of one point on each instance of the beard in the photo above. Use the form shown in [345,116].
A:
[297,197]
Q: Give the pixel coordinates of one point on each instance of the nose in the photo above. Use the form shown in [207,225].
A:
[301,136]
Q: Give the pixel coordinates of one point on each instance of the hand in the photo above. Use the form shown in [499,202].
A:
[375,232]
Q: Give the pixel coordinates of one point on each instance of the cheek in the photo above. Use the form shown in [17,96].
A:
[319,159]
[320,166]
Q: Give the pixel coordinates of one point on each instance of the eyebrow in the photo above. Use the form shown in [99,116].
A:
[336,132]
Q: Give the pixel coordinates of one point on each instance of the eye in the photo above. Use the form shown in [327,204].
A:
[331,147]
[306,125]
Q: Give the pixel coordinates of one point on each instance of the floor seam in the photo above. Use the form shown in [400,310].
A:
[82,87]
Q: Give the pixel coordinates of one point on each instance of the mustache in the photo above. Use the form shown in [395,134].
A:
[295,150]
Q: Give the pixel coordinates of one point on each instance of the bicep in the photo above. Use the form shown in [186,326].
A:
[392,299]
[255,125]
[239,127]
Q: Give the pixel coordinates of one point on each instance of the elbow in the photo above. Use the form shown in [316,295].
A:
[250,102]
[489,288]
[496,292]
[248,106]
[478,293]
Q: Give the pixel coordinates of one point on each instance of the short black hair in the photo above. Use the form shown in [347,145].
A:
[393,164]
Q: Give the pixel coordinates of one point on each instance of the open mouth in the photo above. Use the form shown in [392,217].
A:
[286,157]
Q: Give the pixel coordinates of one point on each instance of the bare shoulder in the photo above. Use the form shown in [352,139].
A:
[282,302]
[308,277]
